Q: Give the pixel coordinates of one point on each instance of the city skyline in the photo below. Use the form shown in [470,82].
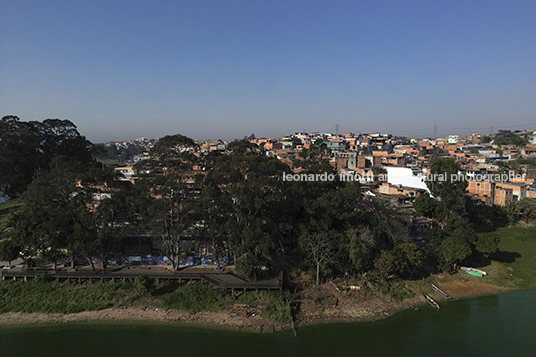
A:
[222,70]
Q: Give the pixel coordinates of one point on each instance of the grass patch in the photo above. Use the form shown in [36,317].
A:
[38,296]
[279,308]
[516,258]
[195,298]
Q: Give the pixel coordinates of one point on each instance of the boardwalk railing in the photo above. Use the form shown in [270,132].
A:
[224,281]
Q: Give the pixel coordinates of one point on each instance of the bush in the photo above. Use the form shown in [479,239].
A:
[144,285]
[395,289]
[41,278]
[279,308]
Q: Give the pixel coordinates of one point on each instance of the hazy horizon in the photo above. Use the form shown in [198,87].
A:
[121,70]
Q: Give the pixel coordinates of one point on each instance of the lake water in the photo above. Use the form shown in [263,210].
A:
[502,325]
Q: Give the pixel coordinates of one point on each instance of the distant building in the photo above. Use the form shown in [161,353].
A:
[452,139]
[407,177]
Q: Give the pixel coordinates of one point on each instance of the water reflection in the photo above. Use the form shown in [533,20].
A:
[487,326]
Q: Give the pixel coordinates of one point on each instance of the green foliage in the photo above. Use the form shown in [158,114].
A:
[517,164]
[247,206]
[405,257]
[242,147]
[455,248]
[196,297]
[44,224]
[28,148]
[451,244]
[488,243]
[39,296]
[6,208]
[319,248]
[379,170]
[9,251]
[394,288]
[167,177]
[520,210]
[144,285]
[279,308]
[425,205]
[485,139]
[446,188]
[486,218]
[517,255]
[410,257]
[356,249]
[386,263]
[172,146]
[506,137]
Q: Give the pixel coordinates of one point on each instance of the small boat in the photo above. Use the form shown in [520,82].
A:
[474,272]
[431,301]
[441,292]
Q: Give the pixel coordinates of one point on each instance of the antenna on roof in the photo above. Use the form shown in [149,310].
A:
[435,131]
[337,129]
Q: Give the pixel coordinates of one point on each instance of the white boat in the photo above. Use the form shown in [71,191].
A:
[467,269]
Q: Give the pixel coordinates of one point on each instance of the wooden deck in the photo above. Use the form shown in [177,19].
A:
[226,282]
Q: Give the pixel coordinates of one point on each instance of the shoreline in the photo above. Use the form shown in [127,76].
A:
[348,311]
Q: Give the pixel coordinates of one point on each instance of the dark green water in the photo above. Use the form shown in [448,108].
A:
[502,325]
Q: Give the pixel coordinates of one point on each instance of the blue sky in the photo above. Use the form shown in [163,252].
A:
[225,69]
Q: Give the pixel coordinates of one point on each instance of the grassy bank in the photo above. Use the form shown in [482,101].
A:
[516,259]
[37,296]
[199,297]
[51,297]
[513,268]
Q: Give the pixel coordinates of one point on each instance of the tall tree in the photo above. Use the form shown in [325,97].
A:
[28,148]
[213,207]
[487,244]
[44,225]
[251,185]
[447,187]
[456,246]
[103,219]
[9,250]
[320,247]
[170,184]
[425,205]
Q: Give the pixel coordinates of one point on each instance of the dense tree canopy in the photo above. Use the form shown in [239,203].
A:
[506,137]
[236,203]
[28,148]
[447,187]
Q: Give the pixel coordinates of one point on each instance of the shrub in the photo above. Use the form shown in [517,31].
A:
[395,289]
[144,285]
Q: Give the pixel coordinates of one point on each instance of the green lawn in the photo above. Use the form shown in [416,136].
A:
[517,258]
